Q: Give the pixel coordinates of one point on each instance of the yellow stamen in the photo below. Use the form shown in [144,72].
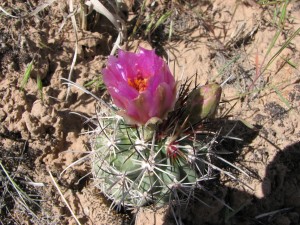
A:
[139,83]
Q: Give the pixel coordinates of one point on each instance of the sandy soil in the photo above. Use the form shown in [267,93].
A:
[41,133]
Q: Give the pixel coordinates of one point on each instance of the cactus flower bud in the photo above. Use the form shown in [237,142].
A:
[141,85]
[202,102]
[172,150]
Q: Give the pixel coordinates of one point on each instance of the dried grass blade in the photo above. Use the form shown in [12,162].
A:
[68,82]
[116,44]
[113,18]
[63,198]
[7,13]
[65,20]
[23,195]
[285,45]
[82,159]
[100,8]
[71,8]
[41,7]
[272,213]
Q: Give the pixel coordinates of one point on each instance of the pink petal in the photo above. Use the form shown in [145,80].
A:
[139,106]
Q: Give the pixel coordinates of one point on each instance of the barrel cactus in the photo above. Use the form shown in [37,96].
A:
[147,146]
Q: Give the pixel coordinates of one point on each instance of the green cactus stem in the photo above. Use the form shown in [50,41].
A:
[134,167]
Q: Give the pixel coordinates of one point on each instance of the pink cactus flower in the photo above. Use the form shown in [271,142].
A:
[141,85]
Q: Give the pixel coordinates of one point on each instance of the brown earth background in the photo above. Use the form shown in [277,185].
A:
[40,133]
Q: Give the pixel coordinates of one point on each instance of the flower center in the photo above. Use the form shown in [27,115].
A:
[139,83]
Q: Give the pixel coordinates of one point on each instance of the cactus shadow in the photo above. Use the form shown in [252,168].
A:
[233,138]
[279,206]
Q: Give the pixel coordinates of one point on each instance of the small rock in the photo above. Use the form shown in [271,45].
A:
[32,124]
[89,39]
[38,109]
